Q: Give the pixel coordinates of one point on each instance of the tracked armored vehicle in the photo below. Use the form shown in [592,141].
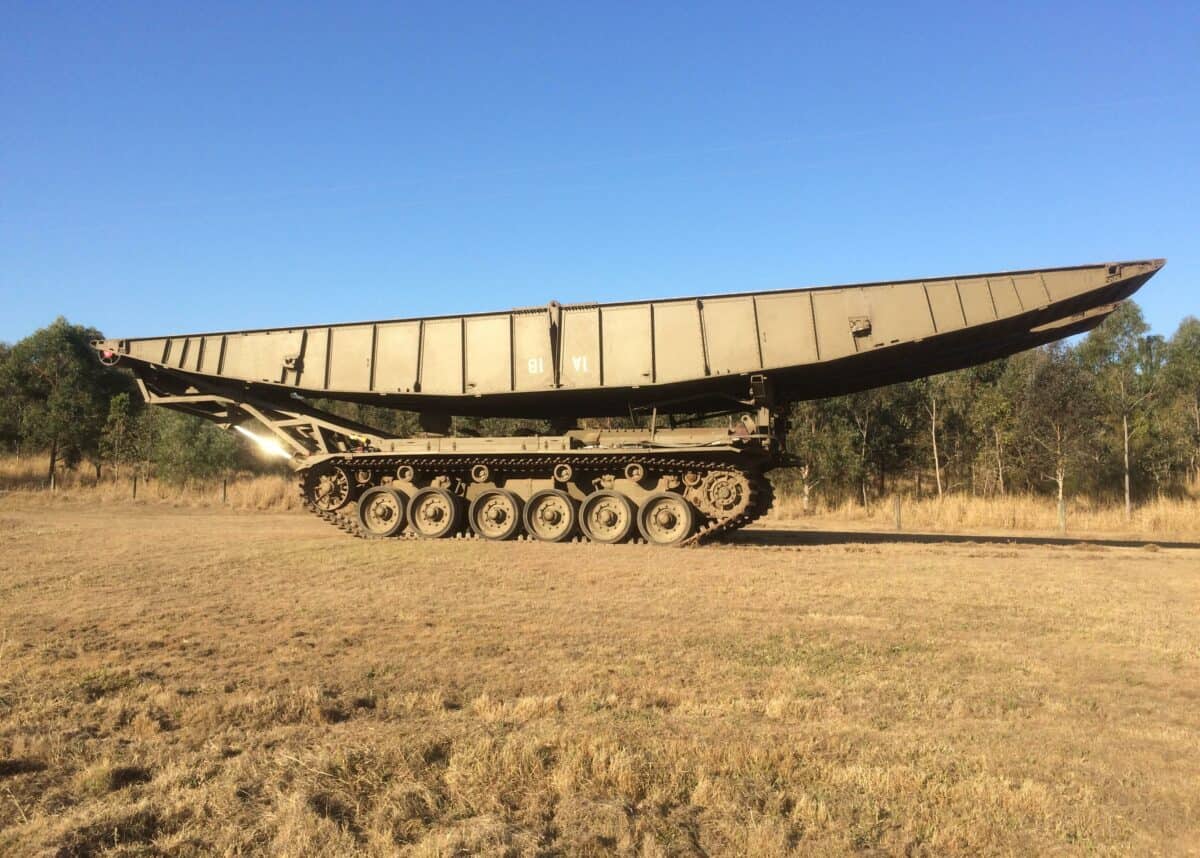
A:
[741,357]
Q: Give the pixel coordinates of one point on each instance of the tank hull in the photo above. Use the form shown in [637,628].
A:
[688,354]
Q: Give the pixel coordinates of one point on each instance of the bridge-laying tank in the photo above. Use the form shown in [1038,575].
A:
[743,356]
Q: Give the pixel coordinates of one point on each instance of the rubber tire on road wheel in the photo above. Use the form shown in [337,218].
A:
[382,511]
[616,504]
[427,499]
[540,530]
[500,500]
[653,515]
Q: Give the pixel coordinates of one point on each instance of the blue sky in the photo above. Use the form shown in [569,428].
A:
[185,167]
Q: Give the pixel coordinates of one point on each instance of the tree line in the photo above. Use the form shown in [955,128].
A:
[1115,414]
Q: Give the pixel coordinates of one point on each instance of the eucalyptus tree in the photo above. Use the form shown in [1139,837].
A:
[822,440]
[1182,375]
[1057,410]
[56,392]
[1125,361]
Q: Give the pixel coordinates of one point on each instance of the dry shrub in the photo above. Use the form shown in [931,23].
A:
[106,776]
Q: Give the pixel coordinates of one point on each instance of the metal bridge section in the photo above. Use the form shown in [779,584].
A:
[597,359]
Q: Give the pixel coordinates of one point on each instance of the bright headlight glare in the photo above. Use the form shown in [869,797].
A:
[270,446]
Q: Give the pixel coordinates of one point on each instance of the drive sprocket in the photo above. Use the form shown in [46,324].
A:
[722,494]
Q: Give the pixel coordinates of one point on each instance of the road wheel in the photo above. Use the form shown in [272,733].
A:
[550,516]
[606,516]
[666,519]
[381,511]
[434,513]
[495,514]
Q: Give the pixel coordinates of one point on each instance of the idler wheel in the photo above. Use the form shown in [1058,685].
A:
[550,515]
[495,514]
[328,490]
[434,512]
[381,511]
[606,516]
[666,518]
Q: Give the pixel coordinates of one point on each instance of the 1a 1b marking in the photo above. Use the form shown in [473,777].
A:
[537,365]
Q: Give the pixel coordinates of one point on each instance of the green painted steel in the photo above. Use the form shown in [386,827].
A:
[693,354]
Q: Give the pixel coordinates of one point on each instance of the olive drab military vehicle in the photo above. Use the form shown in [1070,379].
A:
[742,357]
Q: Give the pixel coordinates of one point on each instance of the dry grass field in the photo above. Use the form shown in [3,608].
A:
[1164,519]
[183,681]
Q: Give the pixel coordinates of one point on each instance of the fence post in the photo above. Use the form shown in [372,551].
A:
[896,510]
[135,485]
[224,489]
